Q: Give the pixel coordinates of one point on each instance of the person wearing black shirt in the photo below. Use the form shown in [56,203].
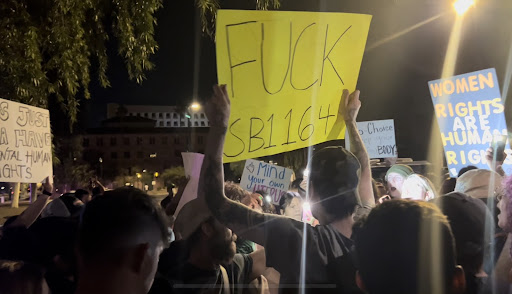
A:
[326,265]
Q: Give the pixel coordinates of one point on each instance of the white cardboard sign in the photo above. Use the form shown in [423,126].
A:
[378,138]
[192,163]
[25,143]
[262,176]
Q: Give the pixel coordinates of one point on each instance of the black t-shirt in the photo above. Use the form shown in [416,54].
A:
[329,265]
[188,279]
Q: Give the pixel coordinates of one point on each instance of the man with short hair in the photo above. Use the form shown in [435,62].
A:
[407,247]
[333,187]
[120,238]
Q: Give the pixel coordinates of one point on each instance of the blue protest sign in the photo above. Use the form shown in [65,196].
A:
[470,114]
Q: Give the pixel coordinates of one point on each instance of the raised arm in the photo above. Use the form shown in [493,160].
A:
[349,108]
[239,218]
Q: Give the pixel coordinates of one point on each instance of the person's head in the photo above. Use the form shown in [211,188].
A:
[505,206]
[123,232]
[96,191]
[471,224]
[418,187]
[480,183]
[395,178]
[448,185]
[205,236]
[234,191]
[66,205]
[18,277]
[290,205]
[83,195]
[295,185]
[466,169]
[333,179]
[407,247]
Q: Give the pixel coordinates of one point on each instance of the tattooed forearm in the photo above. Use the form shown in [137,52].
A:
[357,147]
[239,218]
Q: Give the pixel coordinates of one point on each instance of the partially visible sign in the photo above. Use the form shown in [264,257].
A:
[25,143]
[285,72]
[470,113]
[378,137]
[192,163]
[262,176]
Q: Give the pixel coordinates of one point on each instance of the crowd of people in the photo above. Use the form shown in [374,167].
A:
[337,230]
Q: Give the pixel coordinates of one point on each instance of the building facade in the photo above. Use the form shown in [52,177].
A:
[132,144]
[165,116]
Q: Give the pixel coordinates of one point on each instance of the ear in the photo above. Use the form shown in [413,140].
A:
[208,230]
[360,283]
[140,254]
[459,281]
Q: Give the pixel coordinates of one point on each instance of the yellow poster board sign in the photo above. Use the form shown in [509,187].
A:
[285,72]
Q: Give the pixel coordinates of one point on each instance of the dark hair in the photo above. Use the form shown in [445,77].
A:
[471,222]
[334,174]
[296,184]
[96,191]
[195,237]
[69,200]
[80,193]
[18,277]
[407,255]
[120,215]
[234,191]
[448,186]
[286,199]
[466,169]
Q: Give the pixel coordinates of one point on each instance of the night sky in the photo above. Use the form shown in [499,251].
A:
[393,78]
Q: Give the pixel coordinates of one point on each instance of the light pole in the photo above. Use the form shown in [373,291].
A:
[101,167]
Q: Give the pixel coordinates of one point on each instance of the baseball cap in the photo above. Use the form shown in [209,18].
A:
[475,183]
[403,170]
[190,218]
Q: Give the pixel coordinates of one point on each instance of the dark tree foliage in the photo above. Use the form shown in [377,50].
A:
[208,11]
[47,46]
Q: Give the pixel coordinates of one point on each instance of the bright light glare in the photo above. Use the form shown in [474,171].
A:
[195,106]
[306,172]
[461,6]
[306,206]
[268,199]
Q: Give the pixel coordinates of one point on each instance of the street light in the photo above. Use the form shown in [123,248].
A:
[462,6]
[195,106]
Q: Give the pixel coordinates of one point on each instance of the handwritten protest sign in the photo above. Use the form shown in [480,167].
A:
[378,137]
[262,176]
[470,113]
[25,143]
[285,73]
[192,163]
